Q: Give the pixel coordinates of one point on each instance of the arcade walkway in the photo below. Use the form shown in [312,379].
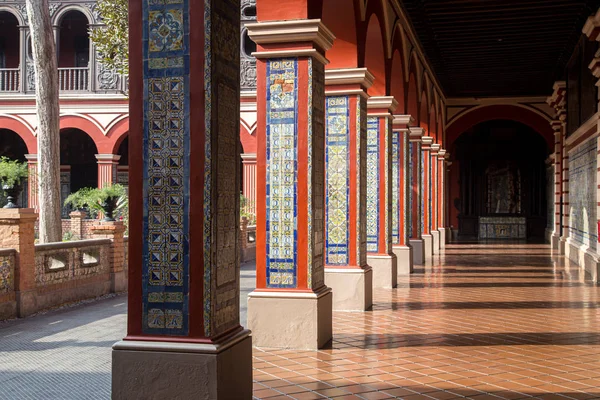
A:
[486,322]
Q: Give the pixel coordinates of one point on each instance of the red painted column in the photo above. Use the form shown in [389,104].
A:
[558,102]
[426,235]
[107,169]
[442,190]
[565,185]
[290,287]
[249,181]
[346,268]
[184,337]
[433,209]
[379,191]
[32,189]
[416,195]
[401,193]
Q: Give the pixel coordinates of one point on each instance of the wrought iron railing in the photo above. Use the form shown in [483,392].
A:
[75,79]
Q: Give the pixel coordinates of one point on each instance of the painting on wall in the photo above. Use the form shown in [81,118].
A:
[503,181]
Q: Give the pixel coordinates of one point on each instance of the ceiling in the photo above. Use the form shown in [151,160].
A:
[488,48]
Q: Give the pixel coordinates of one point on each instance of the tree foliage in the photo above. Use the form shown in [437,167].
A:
[112,37]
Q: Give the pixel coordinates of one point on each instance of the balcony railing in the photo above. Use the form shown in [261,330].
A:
[9,79]
[74,79]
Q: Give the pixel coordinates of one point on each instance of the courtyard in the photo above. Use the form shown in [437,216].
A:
[482,321]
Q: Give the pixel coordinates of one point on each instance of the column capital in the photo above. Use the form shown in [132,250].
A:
[441,154]
[403,121]
[435,148]
[108,158]
[348,81]
[248,158]
[592,27]
[558,95]
[381,106]
[31,158]
[416,134]
[427,143]
[312,35]
[594,66]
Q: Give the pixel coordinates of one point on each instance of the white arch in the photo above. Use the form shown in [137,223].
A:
[60,13]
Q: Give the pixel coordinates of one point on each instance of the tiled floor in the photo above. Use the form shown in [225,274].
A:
[484,322]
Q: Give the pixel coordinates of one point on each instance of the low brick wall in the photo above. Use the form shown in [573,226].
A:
[71,271]
[247,241]
[8,301]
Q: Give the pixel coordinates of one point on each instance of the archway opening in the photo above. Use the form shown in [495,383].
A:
[10,58]
[74,52]
[123,167]
[79,168]
[375,56]
[13,147]
[500,192]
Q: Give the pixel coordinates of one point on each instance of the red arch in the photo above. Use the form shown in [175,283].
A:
[117,133]
[340,18]
[374,55]
[396,78]
[424,114]
[103,143]
[509,112]
[412,101]
[433,124]
[20,129]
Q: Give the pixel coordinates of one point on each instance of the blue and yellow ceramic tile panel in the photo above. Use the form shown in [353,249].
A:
[337,184]
[166,167]
[282,124]
[396,186]
[373,184]
[582,194]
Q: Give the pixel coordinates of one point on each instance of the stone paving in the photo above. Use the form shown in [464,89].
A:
[481,322]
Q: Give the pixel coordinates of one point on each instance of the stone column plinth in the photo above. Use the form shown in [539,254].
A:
[291,306]
[17,231]
[77,218]
[426,235]
[401,193]
[415,168]
[184,338]
[379,191]
[32,189]
[441,207]
[107,169]
[433,197]
[346,270]
[115,232]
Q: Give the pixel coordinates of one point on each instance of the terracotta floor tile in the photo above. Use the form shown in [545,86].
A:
[482,321]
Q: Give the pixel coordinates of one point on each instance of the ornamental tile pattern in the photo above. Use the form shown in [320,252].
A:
[396,186]
[405,173]
[337,180]
[361,167]
[373,184]
[410,197]
[166,169]
[582,194]
[282,124]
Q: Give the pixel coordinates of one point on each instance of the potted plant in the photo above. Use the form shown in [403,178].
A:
[104,200]
[12,174]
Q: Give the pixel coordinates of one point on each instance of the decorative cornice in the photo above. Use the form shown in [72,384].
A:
[441,154]
[435,148]
[427,143]
[293,31]
[291,53]
[349,76]
[405,120]
[382,102]
[416,134]
[591,28]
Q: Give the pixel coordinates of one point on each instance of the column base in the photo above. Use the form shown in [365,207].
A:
[585,258]
[405,259]
[118,282]
[555,242]
[352,288]
[291,319]
[436,241]
[562,244]
[418,251]
[443,238]
[385,270]
[428,246]
[27,302]
[159,370]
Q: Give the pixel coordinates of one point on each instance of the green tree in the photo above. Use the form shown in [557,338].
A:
[112,37]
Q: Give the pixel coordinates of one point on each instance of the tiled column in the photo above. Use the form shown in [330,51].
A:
[557,203]
[379,191]
[107,169]
[249,181]
[184,338]
[426,235]
[290,289]
[346,269]
[441,195]
[565,187]
[433,203]
[401,193]
[416,175]
[32,189]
